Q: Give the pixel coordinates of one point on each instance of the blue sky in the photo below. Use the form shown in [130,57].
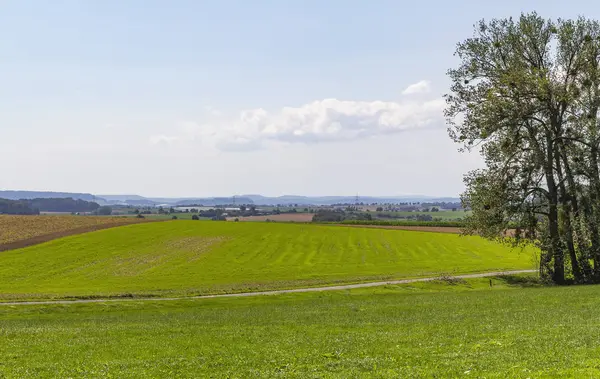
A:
[198,98]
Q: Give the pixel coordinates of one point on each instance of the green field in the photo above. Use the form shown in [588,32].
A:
[401,222]
[444,214]
[430,330]
[194,257]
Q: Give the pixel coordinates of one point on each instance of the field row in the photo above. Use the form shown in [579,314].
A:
[197,257]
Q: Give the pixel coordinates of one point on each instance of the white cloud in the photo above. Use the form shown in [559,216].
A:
[212,111]
[162,139]
[424,86]
[319,121]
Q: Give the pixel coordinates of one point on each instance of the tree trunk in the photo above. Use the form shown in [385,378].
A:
[593,227]
[566,219]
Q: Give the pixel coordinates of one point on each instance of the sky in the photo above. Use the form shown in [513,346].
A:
[213,98]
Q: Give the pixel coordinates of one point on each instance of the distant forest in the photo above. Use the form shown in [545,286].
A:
[35,206]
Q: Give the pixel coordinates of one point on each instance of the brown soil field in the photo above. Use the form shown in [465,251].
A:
[22,231]
[287,217]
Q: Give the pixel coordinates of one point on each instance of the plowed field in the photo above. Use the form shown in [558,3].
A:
[22,231]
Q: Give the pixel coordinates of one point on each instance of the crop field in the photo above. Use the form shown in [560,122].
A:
[416,228]
[445,215]
[430,330]
[196,257]
[20,231]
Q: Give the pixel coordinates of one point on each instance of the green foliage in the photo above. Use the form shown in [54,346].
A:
[104,211]
[192,257]
[324,215]
[35,206]
[63,205]
[527,94]
[17,207]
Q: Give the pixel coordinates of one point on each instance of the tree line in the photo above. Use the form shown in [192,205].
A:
[35,206]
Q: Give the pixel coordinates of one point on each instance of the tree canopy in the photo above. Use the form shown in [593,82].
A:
[526,93]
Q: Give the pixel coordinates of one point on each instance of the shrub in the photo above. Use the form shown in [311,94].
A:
[104,211]
[195,217]
[328,216]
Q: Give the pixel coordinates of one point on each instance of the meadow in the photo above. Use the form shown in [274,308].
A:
[451,329]
[195,257]
[445,215]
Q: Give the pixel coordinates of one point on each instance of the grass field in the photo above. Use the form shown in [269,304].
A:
[429,330]
[380,222]
[195,257]
[444,215]
[18,231]
[416,228]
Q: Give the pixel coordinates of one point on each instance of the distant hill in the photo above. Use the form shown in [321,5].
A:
[136,200]
[122,197]
[215,201]
[28,195]
[141,201]
[328,200]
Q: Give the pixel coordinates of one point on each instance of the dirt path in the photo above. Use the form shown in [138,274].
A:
[277,292]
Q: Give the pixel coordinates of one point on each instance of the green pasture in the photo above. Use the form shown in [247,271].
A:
[431,330]
[196,257]
[443,214]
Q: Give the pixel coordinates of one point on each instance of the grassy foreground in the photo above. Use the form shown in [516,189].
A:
[425,330]
[193,257]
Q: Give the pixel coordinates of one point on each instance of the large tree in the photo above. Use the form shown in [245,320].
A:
[527,93]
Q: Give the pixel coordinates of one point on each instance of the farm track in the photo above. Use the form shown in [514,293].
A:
[276,292]
[65,233]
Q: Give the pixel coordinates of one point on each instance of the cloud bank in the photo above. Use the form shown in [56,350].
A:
[424,86]
[328,120]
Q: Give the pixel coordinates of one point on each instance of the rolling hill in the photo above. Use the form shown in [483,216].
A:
[195,257]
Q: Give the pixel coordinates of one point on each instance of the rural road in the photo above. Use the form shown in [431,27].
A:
[277,292]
